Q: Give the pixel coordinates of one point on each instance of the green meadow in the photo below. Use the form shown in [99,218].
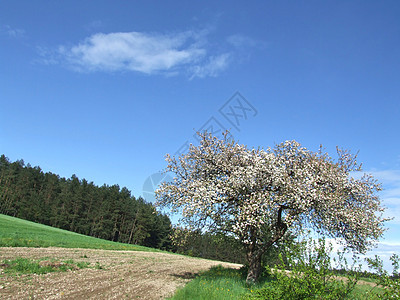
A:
[16,232]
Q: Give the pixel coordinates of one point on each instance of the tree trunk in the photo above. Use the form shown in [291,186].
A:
[254,260]
[254,253]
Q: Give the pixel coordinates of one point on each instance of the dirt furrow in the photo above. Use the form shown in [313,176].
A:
[113,274]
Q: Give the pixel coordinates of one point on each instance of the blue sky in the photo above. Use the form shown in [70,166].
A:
[105,89]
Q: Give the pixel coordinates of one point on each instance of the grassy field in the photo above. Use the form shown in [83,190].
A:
[222,283]
[217,283]
[16,232]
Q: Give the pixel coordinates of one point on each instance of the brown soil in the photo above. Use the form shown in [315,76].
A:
[119,274]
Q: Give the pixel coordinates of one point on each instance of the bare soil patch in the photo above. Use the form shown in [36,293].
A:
[119,274]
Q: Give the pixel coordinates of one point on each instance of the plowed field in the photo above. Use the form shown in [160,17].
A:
[112,275]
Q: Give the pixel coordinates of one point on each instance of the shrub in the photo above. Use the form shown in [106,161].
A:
[306,275]
[390,284]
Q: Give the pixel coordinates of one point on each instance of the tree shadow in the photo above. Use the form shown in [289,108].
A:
[186,275]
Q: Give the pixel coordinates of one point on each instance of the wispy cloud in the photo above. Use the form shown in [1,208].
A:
[149,53]
[244,45]
[390,195]
[238,40]
[94,25]
[189,53]
[132,51]
[388,176]
[13,32]
[212,66]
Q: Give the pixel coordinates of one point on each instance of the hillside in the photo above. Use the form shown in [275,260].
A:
[15,232]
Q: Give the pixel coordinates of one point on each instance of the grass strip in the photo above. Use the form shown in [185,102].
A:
[29,266]
[221,283]
[216,283]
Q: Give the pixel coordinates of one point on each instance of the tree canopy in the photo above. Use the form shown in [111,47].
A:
[258,195]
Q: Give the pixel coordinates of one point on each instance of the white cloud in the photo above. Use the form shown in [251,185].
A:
[238,40]
[132,51]
[13,32]
[94,25]
[390,196]
[212,67]
[192,53]
[149,53]
[387,176]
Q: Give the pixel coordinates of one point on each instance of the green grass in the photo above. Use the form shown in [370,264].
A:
[368,279]
[218,284]
[16,232]
[42,266]
[366,292]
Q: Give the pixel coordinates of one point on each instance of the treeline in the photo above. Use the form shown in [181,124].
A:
[207,245]
[106,212]
[225,248]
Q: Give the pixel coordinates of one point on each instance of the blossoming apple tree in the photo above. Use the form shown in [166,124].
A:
[259,195]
